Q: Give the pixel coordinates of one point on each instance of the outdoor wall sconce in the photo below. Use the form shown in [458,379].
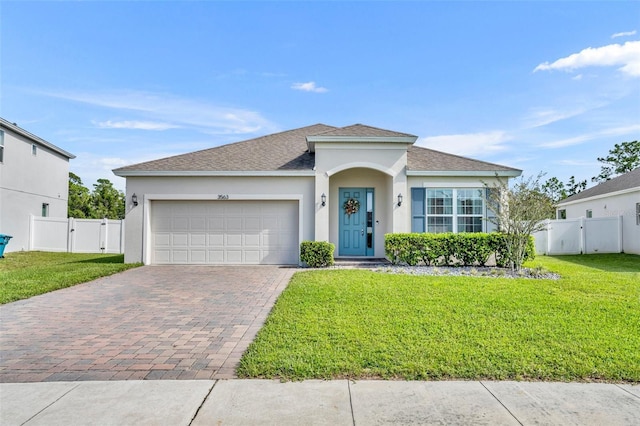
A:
[324,199]
[399,200]
[134,199]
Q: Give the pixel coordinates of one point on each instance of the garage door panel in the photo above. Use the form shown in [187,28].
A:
[163,240]
[162,256]
[198,224]
[233,224]
[251,256]
[215,257]
[179,240]
[180,224]
[233,256]
[233,240]
[216,240]
[180,256]
[198,240]
[224,232]
[252,240]
[252,224]
[198,256]
[216,223]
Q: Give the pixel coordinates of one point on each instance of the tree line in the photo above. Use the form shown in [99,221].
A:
[622,158]
[104,201]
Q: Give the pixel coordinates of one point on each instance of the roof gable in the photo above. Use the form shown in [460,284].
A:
[629,180]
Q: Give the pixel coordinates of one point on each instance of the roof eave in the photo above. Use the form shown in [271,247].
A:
[181,173]
[36,139]
[467,173]
[598,197]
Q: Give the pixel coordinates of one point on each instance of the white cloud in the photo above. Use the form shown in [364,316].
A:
[135,125]
[577,140]
[309,87]
[541,117]
[167,108]
[627,55]
[624,34]
[469,144]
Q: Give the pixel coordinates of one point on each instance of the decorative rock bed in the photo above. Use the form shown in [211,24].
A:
[472,271]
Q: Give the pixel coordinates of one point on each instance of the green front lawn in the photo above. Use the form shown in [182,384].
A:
[27,274]
[363,324]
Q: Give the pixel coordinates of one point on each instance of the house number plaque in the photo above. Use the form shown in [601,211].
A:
[223,196]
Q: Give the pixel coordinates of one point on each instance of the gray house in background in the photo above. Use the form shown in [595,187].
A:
[34,180]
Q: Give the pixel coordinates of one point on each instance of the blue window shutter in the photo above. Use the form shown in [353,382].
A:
[417,209]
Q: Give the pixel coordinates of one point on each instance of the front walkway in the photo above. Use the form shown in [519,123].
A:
[152,322]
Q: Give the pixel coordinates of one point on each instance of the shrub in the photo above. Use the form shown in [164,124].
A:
[317,254]
[448,249]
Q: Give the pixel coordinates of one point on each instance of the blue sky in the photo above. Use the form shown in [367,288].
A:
[541,86]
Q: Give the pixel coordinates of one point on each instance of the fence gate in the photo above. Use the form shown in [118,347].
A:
[76,235]
[580,236]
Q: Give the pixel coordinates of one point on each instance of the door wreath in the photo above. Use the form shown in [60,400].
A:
[351,206]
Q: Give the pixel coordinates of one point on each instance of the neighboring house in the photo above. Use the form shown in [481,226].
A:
[619,196]
[34,180]
[253,202]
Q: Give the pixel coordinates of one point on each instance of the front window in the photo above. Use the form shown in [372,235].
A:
[438,210]
[470,210]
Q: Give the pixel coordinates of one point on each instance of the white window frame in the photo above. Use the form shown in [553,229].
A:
[454,215]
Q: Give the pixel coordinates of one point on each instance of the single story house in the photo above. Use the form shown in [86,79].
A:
[619,196]
[34,181]
[254,202]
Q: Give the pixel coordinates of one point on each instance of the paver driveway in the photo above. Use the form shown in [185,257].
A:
[152,322]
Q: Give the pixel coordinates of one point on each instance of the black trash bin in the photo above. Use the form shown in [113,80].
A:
[4,240]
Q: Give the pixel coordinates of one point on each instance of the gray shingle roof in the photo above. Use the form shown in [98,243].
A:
[419,159]
[287,151]
[363,131]
[279,151]
[626,181]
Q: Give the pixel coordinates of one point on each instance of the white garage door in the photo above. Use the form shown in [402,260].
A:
[224,232]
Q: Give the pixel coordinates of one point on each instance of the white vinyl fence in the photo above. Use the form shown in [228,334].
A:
[581,236]
[76,235]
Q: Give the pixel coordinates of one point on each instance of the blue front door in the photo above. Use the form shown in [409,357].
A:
[356,222]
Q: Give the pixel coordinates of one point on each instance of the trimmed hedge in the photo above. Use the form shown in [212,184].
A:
[449,249]
[317,254]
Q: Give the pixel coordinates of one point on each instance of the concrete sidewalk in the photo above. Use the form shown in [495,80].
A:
[337,402]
